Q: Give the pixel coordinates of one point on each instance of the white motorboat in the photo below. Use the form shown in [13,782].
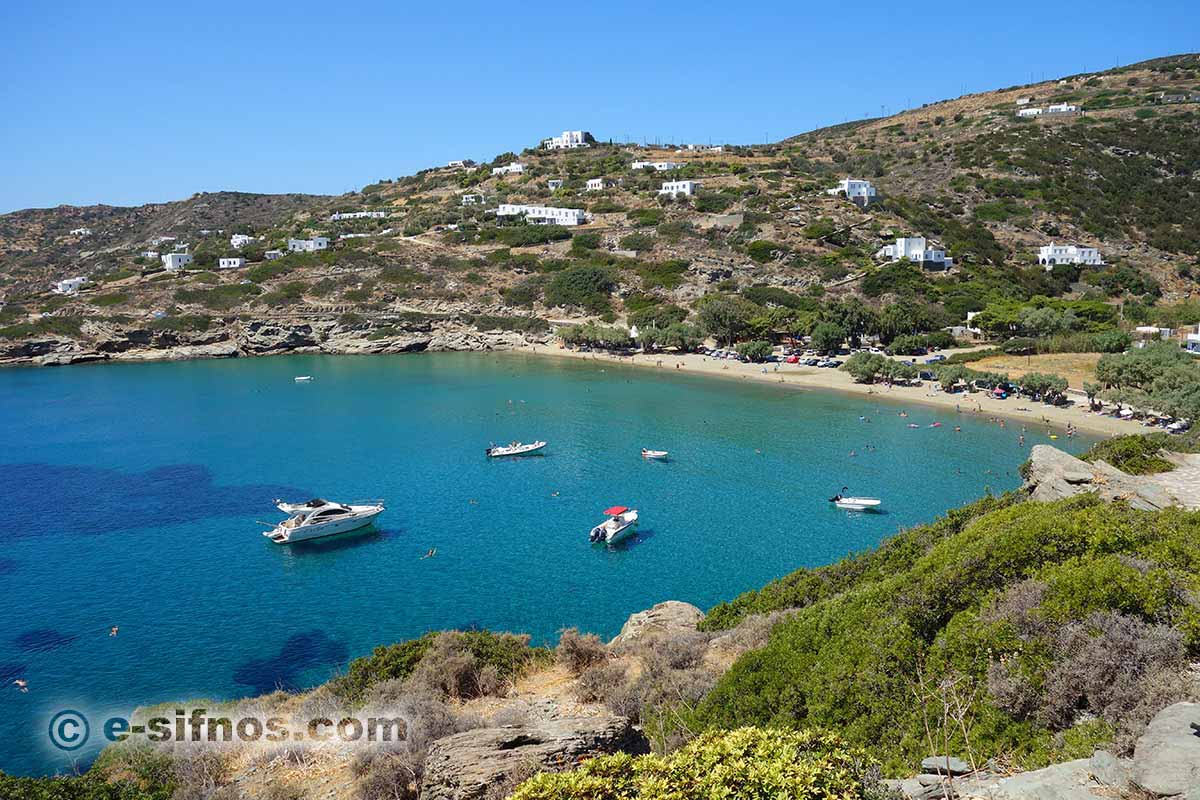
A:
[657,455]
[318,518]
[854,503]
[303,379]
[621,523]
[514,449]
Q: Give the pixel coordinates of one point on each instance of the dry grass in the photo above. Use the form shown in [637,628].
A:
[1075,367]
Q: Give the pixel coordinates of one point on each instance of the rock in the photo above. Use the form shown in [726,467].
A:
[1110,770]
[1053,475]
[942,765]
[1166,759]
[270,337]
[465,765]
[1069,781]
[664,618]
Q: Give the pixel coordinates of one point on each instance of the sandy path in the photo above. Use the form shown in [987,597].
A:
[802,377]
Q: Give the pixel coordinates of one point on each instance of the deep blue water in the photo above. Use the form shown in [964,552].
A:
[130,494]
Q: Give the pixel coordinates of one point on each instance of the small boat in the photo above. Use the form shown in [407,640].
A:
[513,449]
[621,522]
[854,503]
[303,379]
[318,518]
[657,455]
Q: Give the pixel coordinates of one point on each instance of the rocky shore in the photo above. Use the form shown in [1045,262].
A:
[101,341]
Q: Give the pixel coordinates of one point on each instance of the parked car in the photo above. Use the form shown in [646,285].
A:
[935,359]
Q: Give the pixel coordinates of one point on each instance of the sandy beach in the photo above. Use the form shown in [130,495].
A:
[797,376]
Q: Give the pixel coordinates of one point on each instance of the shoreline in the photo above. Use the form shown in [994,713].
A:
[801,377]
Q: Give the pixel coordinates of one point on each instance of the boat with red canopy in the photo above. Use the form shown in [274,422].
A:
[622,521]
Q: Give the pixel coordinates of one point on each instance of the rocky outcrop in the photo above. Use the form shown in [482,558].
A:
[1166,760]
[665,618]
[465,766]
[1052,475]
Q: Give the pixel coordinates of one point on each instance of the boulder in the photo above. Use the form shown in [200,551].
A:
[1069,781]
[272,337]
[669,617]
[1053,475]
[465,766]
[1109,770]
[1166,759]
[945,765]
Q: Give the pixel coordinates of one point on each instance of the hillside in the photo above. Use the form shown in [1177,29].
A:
[968,174]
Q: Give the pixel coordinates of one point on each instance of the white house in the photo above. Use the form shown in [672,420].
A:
[1029,112]
[240,240]
[1052,254]
[569,140]
[915,249]
[69,285]
[857,191]
[685,188]
[271,255]
[472,199]
[357,215]
[461,163]
[1192,344]
[308,245]
[176,261]
[974,329]
[236,262]
[514,168]
[1024,101]
[658,166]
[704,148]
[544,215]
[81,231]
[599,184]
[1149,333]
[157,240]
[152,254]
[1061,108]
[554,184]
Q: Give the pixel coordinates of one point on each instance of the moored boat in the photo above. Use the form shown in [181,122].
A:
[514,449]
[303,379]
[850,503]
[621,522]
[657,455]
[318,518]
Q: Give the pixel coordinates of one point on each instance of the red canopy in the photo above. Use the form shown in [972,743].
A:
[615,510]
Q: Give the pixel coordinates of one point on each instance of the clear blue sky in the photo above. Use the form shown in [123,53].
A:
[133,102]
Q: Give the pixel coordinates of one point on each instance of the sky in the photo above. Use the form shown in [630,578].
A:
[134,102]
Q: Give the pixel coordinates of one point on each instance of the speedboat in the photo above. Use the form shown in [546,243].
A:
[658,455]
[514,449]
[303,379]
[621,522]
[855,503]
[318,518]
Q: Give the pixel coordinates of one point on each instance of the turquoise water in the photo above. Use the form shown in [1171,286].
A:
[131,494]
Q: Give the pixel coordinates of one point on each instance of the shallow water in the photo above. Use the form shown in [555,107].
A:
[132,491]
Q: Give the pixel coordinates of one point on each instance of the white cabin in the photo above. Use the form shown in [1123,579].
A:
[554,184]
[857,191]
[176,261]
[568,140]
[81,231]
[658,166]
[151,254]
[1029,112]
[544,215]
[471,199]
[1062,108]
[240,240]
[685,188]
[1052,254]
[236,262]
[514,168]
[460,163]
[357,215]
[599,184]
[69,285]
[271,255]
[915,249]
[1192,343]
[308,245]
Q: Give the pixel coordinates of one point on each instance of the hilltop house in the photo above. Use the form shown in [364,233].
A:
[1052,254]
[240,240]
[1192,343]
[915,249]
[357,215]
[600,184]
[308,245]
[176,261]
[151,254]
[554,184]
[1062,108]
[81,231]
[703,148]
[514,168]
[658,166]
[859,192]
[68,285]
[472,199]
[271,255]
[462,163]
[235,262]
[157,240]
[543,215]
[1029,112]
[685,188]
[568,140]
[1024,101]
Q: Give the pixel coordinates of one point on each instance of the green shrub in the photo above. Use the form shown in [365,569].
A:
[1135,454]
[646,217]
[105,300]
[637,241]
[526,235]
[663,274]
[219,298]
[583,286]
[763,251]
[756,351]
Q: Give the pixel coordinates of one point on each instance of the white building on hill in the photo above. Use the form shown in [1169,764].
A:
[1062,108]
[1192,344]
[857,191]
[157,240]
[151,254]
[568,140]
[461,163]
[271,255]
[554,184]
[658,166]
[514,168]
[472,199]
[357,215]
[1029,112]
[69,285]
[176,261]
[81,231]
[240,240]
[1052,254]
[236,262]
[308,245]
[915,249]
[544,215]
[685,188]
[599,184]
